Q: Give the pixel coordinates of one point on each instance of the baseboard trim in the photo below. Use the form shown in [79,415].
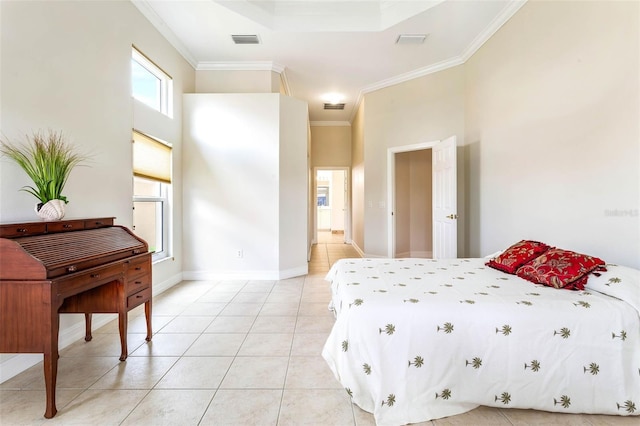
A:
[358,249]
[166,284]
[246,275]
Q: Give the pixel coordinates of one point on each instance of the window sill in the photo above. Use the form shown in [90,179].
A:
[161,260]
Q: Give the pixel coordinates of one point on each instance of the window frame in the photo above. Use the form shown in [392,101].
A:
[164,200]
[166,83]
[165,188]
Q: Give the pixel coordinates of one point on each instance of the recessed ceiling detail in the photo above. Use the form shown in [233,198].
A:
[328,16]
[245,39]
[316,60]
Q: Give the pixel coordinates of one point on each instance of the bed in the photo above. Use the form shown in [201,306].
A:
[421,339]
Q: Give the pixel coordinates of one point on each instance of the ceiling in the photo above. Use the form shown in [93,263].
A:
[342,47]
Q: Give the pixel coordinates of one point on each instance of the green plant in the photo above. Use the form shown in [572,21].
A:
[48,160]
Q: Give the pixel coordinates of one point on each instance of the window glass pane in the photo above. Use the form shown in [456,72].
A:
[147,222]
[146,86]
[146,188]
[323,196]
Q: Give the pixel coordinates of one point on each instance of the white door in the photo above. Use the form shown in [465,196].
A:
[445,229]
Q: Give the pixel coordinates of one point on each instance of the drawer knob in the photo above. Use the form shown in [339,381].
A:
[136,251]
[95,275]
[99,223]
[67,226]
[138,282]
[72,268]
[139,268]
[138,296]
[21,230]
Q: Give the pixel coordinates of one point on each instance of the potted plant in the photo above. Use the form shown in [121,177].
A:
[48,160]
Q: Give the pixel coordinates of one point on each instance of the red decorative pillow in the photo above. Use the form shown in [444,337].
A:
[561,269]
[517,255]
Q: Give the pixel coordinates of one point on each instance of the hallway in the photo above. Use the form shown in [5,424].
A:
[330,248]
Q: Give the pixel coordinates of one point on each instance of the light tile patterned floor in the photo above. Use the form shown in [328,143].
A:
[228,352]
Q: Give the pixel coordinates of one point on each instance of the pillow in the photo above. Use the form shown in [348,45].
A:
[620,282]
[517,255]
[561,269]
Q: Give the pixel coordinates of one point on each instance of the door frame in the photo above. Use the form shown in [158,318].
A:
[347,202]
[391,192]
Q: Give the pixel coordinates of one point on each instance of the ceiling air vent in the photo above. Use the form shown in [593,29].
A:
[411,38]
[245,39]
[333,106]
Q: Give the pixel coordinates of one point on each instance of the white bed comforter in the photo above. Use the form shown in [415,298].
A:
[419,339]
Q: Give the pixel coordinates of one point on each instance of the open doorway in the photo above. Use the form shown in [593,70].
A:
[413,204]
[442,201]
[331,213]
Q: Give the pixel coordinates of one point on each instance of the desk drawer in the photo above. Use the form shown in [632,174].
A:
[98,223]
[86,280]
[22,229]
[137,284]
[139,298]
[139,267]
[67,225]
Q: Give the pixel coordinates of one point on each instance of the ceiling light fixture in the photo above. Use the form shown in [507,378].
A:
[411,38]
[333,98]
[245,38]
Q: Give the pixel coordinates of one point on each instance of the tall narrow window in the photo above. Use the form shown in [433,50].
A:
[151,190]
[150,85]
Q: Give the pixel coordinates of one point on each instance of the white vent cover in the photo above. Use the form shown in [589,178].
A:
[245,39]
[411,38]
[333,106]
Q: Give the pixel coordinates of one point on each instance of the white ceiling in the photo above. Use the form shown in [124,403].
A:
[329,46]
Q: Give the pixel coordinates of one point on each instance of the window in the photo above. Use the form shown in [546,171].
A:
[150,85]
[151,191]
[323,196]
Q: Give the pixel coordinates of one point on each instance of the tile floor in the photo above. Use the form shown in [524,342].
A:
[223,353]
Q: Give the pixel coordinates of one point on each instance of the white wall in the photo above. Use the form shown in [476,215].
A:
[337,200]
[331,146]
[357,179]
[245,187]
[552,110]
[422,110]
[65,65]
[225,81]
[546,115]
[292,191]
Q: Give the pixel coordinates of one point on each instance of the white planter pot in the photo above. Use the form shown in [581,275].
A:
[51,210]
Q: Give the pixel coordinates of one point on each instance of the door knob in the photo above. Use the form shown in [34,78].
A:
[452,216]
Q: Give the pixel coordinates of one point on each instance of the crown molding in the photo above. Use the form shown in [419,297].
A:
[411,75]
[473,47]
[155,20]
[330,124]
[241,66]
[285,82]
[492,28]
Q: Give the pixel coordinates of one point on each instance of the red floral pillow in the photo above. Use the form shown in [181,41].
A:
[517,255]
[561,269]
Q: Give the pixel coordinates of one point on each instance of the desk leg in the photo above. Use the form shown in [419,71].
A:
[122,325]
[51,356]
[147,314]
[87,321]
[50,376]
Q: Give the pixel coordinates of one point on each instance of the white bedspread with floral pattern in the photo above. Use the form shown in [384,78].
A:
[419,339]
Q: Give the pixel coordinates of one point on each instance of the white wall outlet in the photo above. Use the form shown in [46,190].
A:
[239,253]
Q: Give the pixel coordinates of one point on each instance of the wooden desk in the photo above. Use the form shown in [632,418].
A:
[70,266]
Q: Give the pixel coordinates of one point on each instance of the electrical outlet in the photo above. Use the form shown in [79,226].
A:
[239,253]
